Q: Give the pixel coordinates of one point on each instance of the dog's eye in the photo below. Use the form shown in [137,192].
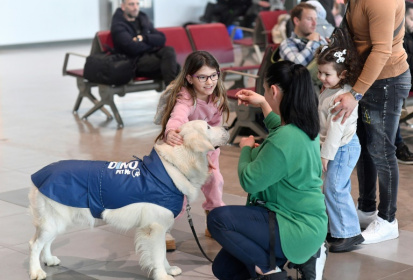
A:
[208,127]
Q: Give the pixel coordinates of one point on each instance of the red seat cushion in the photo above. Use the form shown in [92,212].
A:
[75,72]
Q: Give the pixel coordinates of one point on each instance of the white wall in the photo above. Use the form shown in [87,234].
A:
[177,12]
[39,21]
[31,21]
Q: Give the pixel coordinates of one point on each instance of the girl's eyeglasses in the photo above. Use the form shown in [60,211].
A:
[203,78]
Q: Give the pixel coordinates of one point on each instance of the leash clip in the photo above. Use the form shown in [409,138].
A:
[188,209]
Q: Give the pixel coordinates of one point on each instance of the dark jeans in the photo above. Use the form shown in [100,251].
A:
[158,64]
[243,233]
[379,114]
[399,138]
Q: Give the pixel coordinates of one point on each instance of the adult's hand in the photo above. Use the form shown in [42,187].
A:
[249,97]
[247,141]
[314,37]
[345,108]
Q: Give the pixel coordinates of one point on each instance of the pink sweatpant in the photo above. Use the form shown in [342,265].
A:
[213,187]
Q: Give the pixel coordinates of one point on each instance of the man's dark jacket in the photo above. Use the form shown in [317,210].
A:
[124,31]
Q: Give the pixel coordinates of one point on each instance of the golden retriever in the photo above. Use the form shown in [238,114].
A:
[187,166]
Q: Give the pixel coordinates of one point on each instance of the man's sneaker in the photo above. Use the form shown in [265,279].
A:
[404,156]
[313,268]
[380,230]
[366,218]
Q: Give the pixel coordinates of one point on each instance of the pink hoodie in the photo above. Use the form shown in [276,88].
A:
[185,110]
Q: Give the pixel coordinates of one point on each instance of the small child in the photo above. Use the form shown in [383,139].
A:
[338,70]
[198,93]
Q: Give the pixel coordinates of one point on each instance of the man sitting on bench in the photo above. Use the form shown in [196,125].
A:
[133,34]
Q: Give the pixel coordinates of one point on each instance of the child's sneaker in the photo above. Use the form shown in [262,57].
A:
[380,230]
[313,268]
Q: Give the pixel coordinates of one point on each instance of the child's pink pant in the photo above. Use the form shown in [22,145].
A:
[213,187]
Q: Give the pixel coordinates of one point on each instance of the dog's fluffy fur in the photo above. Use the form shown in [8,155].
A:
[186,164]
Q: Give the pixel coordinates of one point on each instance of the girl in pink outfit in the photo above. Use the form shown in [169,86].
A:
[198,93]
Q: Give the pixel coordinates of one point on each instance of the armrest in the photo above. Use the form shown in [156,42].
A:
[66,61]
[242,74]
[241,68]
[245,74]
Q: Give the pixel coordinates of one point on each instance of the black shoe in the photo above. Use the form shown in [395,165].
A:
[404,156]
[346,244]
[330,239]
[312,269]
[274,276]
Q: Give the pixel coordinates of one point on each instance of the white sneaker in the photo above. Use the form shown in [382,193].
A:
[380,230]
[366,218]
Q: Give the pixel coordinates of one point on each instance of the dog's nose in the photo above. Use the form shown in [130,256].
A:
[226,127]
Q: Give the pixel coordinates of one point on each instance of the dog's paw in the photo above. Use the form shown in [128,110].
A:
[174,270]
[37,274]
[52,261]
[166,277]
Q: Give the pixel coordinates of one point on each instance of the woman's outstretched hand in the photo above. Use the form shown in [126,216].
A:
[249,97]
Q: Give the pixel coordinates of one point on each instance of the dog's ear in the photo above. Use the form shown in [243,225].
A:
[197,143]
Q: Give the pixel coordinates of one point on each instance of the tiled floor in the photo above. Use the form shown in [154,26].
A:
[37,127]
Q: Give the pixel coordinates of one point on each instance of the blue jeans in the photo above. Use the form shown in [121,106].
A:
[342,214]
[379,114]
[243,233]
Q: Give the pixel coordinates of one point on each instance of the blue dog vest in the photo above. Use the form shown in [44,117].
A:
[100,185]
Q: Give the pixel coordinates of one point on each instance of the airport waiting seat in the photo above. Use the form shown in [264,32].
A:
[177,38]
[102,42]
[214,38]
[259,36]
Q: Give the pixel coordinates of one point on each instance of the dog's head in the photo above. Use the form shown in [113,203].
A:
[201,137]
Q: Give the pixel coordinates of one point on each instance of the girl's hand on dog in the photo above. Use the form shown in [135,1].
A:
[173,138]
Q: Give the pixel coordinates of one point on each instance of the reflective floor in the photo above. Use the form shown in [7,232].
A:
[37,127]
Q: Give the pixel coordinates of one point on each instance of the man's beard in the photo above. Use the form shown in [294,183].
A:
[130,16]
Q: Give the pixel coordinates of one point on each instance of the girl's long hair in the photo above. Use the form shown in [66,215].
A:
[299,105]
[193,63]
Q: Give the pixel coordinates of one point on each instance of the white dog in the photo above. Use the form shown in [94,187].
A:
[187,166]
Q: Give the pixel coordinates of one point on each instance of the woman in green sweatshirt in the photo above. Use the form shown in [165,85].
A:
[281,176]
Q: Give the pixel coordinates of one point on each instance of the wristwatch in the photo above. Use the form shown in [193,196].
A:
[356,95]
[139,38]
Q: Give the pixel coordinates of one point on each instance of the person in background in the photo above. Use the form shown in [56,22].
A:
[328,6]
[285,214]
[225,11]
[337,13]
[257,6]
[134,35]
[403,154]
[338,70]
[323,27]
[377,27]
[300,47]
